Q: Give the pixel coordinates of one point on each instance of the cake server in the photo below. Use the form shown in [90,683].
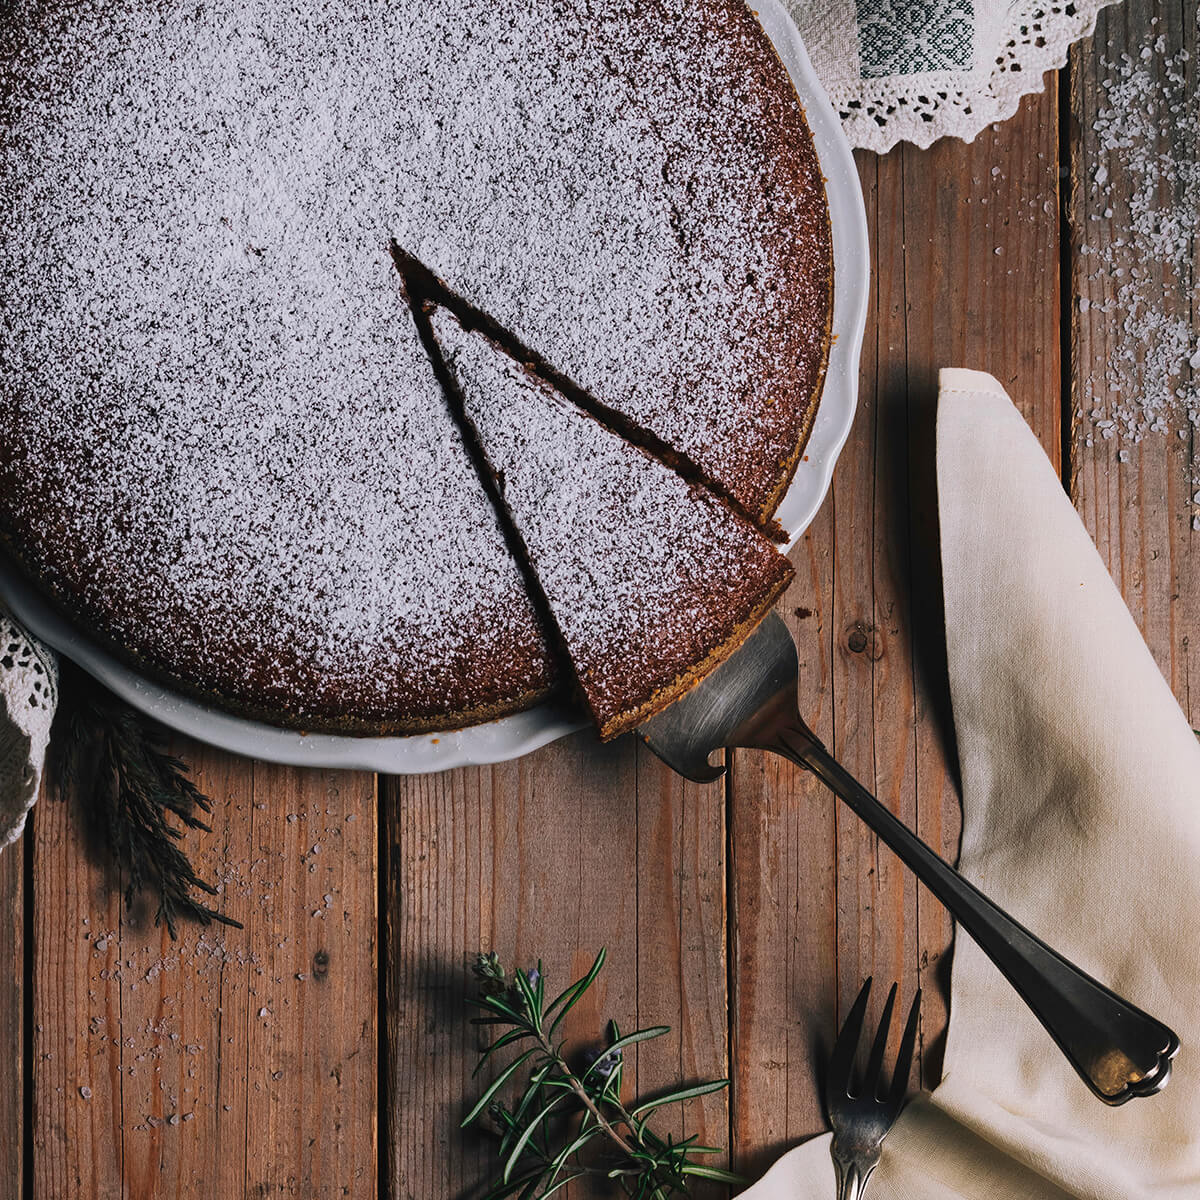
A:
[750,702]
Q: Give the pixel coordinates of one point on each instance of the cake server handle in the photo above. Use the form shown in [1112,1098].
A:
[1118,1050]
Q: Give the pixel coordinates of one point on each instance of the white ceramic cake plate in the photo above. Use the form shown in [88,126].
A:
[511,737]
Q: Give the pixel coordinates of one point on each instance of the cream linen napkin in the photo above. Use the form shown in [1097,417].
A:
[1081,816]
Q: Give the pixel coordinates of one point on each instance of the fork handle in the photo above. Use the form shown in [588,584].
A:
[851,1179]
[1118,1050]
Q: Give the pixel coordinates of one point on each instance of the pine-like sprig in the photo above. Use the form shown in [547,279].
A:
[562,1122]
[114,760]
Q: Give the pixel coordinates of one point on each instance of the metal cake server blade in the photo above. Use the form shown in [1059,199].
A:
[1118,1050]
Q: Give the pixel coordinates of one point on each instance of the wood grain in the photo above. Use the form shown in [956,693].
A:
[966,272]
[982,288]
[1135,496]
[682,948]
[76,1012]
[238,1061]
[783,934]
[576,847]
[13,1025]
[530,859]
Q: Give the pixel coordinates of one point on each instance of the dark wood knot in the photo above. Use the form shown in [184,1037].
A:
[862,638]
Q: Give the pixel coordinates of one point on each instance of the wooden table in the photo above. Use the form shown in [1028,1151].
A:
[324,1050]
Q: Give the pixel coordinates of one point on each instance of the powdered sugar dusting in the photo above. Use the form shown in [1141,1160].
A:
[210,370]
[1138,247]
[674,192]
[215,378]
[644,573]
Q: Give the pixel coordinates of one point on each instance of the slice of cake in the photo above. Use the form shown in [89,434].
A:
[650,580]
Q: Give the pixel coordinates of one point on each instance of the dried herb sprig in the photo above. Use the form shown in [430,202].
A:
[566,1122]
[131,788]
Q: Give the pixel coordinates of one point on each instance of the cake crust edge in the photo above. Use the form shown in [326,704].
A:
[665,696]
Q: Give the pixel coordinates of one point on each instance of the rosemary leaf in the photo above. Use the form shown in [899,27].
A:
[496,1085]
[688,1093]
[131,788]
[563,1122]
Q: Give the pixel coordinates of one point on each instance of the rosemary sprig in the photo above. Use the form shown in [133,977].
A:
[130,788]
[564,1122]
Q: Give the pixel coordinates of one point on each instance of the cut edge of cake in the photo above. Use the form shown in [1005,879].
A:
[774,571]
[423,286]
[667,694]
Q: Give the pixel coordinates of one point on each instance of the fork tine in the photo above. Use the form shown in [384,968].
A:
[841,1061]
[872,1080]
[904,1058]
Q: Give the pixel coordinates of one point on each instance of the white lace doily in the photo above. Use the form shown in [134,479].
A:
[29,686]
[919,70]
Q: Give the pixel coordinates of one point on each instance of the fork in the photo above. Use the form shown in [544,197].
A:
[862,1114]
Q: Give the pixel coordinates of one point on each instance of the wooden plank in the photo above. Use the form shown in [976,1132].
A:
[682,952]
[871,658]
[240,1061]
[816,904]
[76,1011]
[12,1017]
[1134,323]
[982,287]
[531,859]
[783,928]
[576,847]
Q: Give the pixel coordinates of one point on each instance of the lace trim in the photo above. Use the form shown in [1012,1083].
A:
[29,686]
[920,108]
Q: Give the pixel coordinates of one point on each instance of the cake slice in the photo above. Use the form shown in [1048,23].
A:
[650,580]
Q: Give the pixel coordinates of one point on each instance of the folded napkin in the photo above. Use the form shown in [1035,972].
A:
[919,70]
[1081,816]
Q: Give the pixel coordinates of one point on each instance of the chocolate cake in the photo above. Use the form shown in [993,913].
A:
[651,581]
[223,448]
